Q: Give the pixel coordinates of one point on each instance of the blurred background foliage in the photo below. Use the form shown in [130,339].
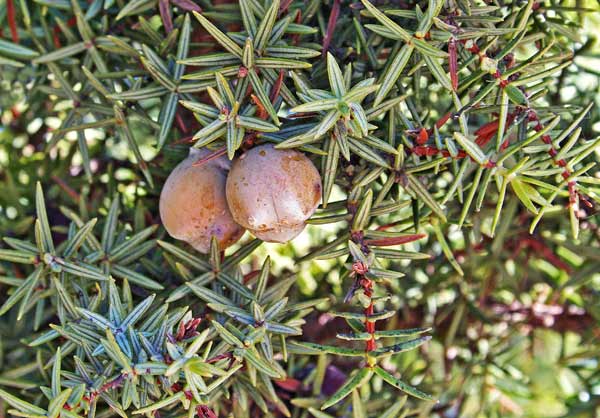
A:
[517,335]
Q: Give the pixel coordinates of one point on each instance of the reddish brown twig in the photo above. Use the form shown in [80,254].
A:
[566,174]
[276,89]
[262,112]
[12,20]
[386,242]
[165,14]
[333,17]
[56,31]
[453,63]
[66,188]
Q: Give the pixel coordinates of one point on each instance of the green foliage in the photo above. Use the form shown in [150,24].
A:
[450,270]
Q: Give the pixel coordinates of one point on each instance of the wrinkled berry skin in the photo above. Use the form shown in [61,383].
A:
[273,192]
[193,206]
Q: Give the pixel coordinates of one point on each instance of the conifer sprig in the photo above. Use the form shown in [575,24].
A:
[460,186]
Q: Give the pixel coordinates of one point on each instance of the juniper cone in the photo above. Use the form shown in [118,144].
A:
[273,192]
[447,258]
[192,204]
